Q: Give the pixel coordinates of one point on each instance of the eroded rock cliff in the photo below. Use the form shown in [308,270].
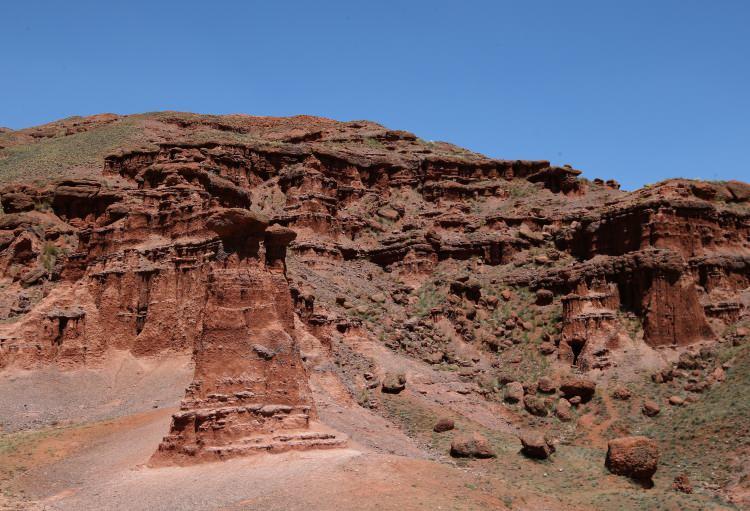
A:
[209,234]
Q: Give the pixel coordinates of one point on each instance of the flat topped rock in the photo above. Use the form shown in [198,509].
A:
[237,221]
[280,235]
[67,313]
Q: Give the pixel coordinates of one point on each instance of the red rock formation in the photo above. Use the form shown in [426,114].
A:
[183,244]
[165,268]
[590,325]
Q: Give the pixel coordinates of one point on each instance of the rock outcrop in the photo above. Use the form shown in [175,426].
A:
[211,235]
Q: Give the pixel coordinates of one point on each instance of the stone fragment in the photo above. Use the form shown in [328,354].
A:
[651,408]
[535,445]
[444,424]
[513,392]
[471,445]
[563,410]
[394,383]
[578,387]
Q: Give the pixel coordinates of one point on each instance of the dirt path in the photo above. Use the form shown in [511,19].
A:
[101,467]
[595,431]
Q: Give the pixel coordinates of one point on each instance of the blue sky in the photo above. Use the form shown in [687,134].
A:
[637,91]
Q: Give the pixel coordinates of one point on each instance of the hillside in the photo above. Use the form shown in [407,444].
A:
[328,292]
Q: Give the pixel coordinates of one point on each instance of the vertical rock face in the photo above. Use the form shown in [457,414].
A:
[250,389]
[590,325]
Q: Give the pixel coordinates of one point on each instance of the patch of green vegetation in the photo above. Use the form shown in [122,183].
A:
[374,143]
[49,256]
[54,158]
[520,190]
[429,296]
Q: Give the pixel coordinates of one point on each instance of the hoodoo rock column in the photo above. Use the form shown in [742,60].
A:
[249,393]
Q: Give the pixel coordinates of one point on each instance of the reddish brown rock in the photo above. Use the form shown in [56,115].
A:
[535,405]
[471,445]
[621,393]
[682,484]
[536,445]
[651,408]
[443,425]
[676,401]
[578,387]
[546,385]
[563,410]
[546,348]
[394,383]
[514,392]
[181,246]
[635,456]
[544,297]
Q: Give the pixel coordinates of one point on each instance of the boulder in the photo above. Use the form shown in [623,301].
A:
[688,361]
[682,483]
[535,445]
[633,456]
[579,387]
[546,385]
[563,410]
[513,392]
[544,297]
[393,383]
[621,393]
[546,348]
[16,201]
[740,191]
[263,352]
[444,424]
[434,357]
[232,222]
[676,401]
[471,445]
[663,376]
[651,408]
[535,405]
[718,374]
[278,235]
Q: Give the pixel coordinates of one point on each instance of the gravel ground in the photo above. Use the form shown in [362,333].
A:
[123,386]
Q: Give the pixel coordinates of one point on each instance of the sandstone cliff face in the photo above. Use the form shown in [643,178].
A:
[169,269]
[210,234]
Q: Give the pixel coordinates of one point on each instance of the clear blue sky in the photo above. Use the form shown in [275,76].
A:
[633,90]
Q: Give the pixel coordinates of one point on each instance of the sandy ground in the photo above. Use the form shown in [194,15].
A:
[84,437]
[103,468]
[120,385]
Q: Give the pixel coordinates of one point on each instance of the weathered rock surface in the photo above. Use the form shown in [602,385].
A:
[443,425]
[393,383]
[513,392]
[211,235]
[578,387]
[535,445]
[634,456]
[471,445]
